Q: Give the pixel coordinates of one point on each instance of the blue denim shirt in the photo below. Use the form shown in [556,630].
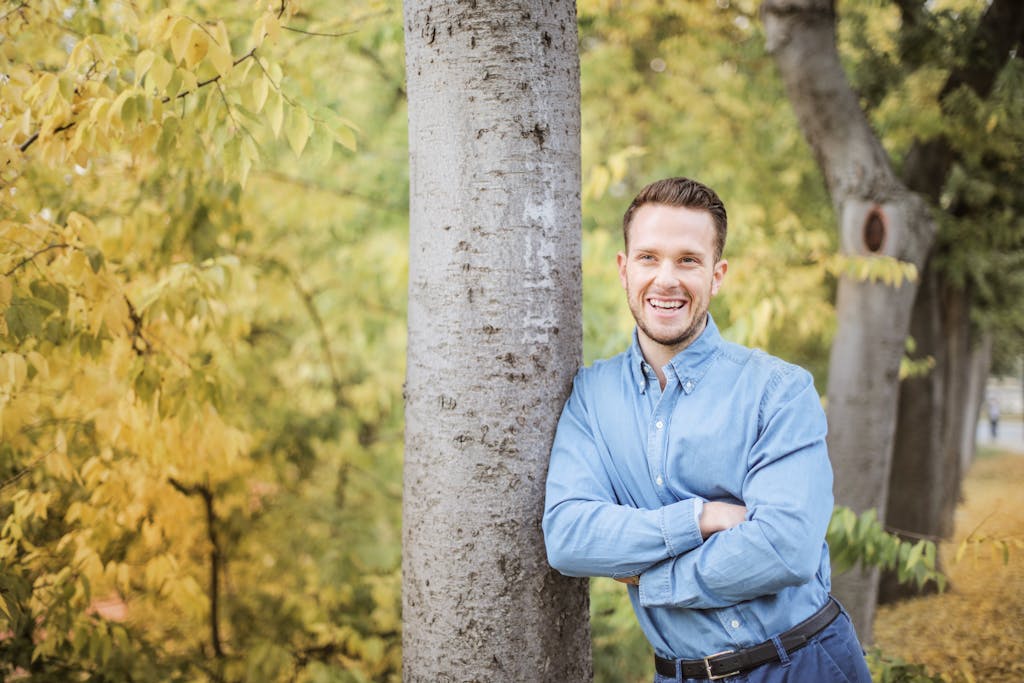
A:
[630,461]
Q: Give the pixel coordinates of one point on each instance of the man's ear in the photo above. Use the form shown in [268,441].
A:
[718,275]
[621,260]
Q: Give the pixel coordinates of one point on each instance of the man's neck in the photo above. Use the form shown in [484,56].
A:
[658,355]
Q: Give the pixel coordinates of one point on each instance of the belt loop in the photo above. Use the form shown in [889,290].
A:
[679,669]
[783,655]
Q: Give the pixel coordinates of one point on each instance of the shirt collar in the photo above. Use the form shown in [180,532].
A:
[688,366]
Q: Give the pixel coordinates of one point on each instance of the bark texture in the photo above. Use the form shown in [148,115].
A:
[494,338]
[873,318]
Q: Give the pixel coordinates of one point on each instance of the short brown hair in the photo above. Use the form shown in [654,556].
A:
[685,193]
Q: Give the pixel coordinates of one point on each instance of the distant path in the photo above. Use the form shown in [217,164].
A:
[1010,435]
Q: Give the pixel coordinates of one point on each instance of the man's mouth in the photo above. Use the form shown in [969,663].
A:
[666,304]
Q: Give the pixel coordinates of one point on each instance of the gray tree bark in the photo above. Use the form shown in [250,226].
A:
[494,338]
[873,318]
[979,366]
[924,484]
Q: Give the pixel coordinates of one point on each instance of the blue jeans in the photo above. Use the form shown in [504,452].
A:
[832,656]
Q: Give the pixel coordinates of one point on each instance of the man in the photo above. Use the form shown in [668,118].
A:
[695,470]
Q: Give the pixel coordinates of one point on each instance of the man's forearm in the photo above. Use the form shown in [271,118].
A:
[596,538]
[715,516]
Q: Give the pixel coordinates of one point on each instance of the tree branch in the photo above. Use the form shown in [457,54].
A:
[210,81]
[801,35]
[28,259]
[201,84]
[317,33]
[206,494]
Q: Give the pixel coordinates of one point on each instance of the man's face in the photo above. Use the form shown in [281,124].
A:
[670,274]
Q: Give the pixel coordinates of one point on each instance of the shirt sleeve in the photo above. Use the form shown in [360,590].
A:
[788,495]
[588,531]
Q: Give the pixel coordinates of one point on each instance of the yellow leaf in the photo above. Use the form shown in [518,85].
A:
[198,45]
[298,129]
[16,369]
[6,292]
[114,115]
[345,137]
[260,90]
[58,464]
[259,31]
[163,25]
[221,59]
[180,35]
[220,49]
[267,29]
[81,54]
[142,64]
[276,112]
[160,74]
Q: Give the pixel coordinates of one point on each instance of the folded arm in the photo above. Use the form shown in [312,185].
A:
[588,531]
[788,494]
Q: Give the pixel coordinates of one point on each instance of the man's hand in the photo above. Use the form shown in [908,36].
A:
[717,516]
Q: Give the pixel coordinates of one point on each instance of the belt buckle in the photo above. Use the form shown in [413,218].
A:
[707,666]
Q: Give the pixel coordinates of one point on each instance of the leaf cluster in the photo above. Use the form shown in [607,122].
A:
[863,540]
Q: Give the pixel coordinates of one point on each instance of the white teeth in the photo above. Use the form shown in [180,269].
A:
[666,304]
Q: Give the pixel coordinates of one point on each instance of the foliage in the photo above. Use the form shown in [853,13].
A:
[621,652]
[854,539]
[162,292]
[899,64]
[894,670]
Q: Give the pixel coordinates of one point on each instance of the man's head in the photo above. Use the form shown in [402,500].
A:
[685,193]
[672,266]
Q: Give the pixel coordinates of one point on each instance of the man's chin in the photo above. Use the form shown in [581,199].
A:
[673,339]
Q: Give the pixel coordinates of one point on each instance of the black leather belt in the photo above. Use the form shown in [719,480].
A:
[732,662]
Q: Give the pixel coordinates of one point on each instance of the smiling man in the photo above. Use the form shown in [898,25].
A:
[695,471]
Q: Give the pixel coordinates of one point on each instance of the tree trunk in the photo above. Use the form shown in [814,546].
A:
[978,369]
[878,217]
[494,338]
[925,479]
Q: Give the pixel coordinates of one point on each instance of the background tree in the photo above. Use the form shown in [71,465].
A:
[881,216]
[494,338]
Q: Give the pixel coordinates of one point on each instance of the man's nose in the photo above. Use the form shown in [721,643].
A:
[666,274]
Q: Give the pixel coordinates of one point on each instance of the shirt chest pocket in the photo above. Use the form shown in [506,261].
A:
[705,464]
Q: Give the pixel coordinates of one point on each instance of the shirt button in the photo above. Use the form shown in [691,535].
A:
[658,481]
[689,386]
[659,424]
[735,623]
